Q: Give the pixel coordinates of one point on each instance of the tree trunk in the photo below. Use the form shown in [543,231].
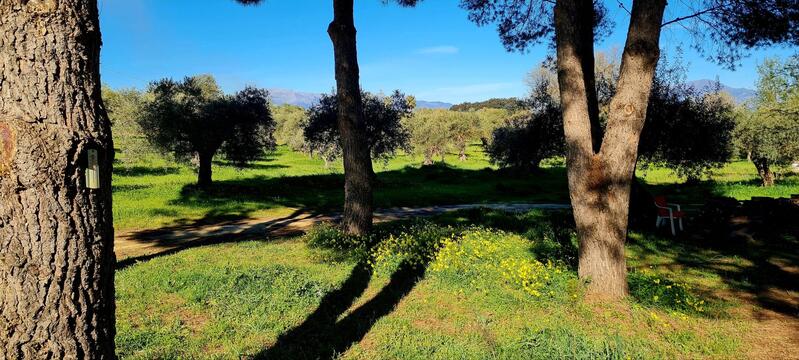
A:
[600,176]
[358,173]
[204,175]
[428,158]
[764,171]
[56,234]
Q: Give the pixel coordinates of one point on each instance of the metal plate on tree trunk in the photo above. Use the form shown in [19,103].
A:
[8,146]
[92,170]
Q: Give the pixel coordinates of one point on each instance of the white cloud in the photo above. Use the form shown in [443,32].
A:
[444,49]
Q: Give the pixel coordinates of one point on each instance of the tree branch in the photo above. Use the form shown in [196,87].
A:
[696,14]
[621,5]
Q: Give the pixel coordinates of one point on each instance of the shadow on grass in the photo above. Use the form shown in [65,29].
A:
[409,186]
[134,171]
[232,202]
[697,193]
[756,257]
[251,165]
[321,336]
[216,229]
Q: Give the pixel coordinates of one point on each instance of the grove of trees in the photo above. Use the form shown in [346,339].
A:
[56,231]
[687,130]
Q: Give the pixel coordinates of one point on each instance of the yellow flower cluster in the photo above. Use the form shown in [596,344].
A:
[466,250]
[415,247]
[531,275]
[664,292]
[491,251]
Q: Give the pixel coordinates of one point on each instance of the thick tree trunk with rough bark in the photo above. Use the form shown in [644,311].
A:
[204,174]
[56,235]
[600,170]
[358,173]
[764,171]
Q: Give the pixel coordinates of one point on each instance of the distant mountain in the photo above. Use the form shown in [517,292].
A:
[421,104]
[301,99]
[306,99]
[739,94]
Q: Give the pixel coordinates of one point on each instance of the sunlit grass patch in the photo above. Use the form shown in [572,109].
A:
[482,293]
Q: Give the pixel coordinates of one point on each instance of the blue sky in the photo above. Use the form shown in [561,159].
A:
[431,51]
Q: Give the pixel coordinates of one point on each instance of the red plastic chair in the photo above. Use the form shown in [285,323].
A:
[667,211]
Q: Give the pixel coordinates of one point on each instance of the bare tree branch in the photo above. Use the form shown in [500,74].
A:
[696,14]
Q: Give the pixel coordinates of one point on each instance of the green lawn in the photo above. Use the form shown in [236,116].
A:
[159,193]
[430,290]
[445,289]
[737,179]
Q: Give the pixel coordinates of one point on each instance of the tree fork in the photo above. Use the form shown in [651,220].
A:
[56,235]
[599,181]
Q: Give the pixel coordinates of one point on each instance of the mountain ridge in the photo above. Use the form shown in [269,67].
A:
[704,86]
[305,100]
[308,99]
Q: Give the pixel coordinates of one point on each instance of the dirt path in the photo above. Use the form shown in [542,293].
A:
[143,244]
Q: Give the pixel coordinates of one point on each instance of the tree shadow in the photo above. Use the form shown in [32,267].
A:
[134,171]
[754,254]
[250,165]
[215,229]
[432,185]
[232,202]
[321,336]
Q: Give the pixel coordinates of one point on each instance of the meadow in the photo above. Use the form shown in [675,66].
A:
[156,192]
[475,284]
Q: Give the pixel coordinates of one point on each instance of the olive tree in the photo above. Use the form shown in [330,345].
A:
[429,133]
[193,118]
[769,133]
[124,107]
[686,130]
[531,136]
[290,120]
[385,133]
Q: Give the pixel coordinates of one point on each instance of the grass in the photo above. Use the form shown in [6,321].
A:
[474,284]
[737,179]
[158,193]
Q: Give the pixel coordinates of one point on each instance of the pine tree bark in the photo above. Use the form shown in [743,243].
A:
[358,172]
[56,235]
[600,171]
